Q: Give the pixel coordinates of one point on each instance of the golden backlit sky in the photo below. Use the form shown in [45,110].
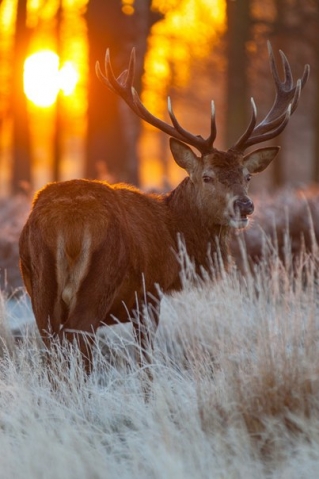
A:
[186,32]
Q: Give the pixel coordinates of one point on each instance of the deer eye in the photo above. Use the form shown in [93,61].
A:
[248,178]
[208,179]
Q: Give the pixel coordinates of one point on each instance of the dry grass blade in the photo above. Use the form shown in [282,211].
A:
[234,388]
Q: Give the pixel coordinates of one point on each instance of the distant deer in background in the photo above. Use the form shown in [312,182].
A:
[91,251]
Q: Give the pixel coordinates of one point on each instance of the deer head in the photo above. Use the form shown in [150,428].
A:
[221,178]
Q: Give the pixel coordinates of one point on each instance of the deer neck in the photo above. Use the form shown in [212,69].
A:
[204,239]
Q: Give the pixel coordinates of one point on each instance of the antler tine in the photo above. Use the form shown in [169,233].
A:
[206,144]
[123,86]
[176,131]
[285,103]
[240,144]
[288,80]
[197,141]
[100,75]
[299,86]
[131,67]
[213,130]
[281,124]
[305,75]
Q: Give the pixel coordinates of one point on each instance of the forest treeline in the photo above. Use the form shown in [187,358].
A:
[112,132]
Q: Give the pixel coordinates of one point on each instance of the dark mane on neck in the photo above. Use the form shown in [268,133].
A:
[203,240]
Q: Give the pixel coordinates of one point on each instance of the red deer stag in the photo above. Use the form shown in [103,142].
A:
[90,250]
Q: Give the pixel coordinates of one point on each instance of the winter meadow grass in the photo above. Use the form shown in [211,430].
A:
[234,391]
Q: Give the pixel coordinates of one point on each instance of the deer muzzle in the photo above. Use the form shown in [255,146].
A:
[242,207]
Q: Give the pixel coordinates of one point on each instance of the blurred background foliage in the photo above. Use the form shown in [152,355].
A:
[57,121]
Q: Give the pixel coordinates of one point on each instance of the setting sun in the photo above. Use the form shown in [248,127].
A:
[43,78]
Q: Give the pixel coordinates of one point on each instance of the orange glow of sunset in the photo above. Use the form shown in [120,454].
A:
[43,79]
[186,33]
[57,67]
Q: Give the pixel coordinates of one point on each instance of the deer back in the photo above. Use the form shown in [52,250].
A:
[78,228]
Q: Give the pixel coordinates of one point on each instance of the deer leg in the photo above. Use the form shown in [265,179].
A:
[84,340]
[93,301]
[81,327]
[144,328]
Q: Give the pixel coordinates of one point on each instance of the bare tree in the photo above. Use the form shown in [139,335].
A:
[21,151]
[238,35]
[57,140]
[112,130]
[296,24]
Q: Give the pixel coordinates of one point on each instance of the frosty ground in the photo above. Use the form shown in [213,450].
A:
[234,391]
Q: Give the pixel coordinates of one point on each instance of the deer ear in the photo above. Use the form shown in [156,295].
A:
[183,155]
[258,160]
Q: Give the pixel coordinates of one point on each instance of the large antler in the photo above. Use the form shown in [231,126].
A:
[286,101]
[123,86]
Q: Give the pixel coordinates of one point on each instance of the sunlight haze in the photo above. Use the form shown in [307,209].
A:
[43,79]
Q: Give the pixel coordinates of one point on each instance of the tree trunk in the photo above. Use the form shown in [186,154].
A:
[316,128]
[237,99]
[57,138]
[112,129]
[312,40]
[278,43]
[21,150]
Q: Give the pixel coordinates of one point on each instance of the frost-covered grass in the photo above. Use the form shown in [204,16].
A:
[234,391]
[288,213]
[13,214]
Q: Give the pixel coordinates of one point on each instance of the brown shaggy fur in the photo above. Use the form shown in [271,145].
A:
[92,253]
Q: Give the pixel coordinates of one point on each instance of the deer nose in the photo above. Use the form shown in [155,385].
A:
[244,206]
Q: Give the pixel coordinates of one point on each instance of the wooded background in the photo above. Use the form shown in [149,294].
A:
[193,51]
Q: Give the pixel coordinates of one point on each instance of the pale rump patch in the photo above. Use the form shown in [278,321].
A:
[71,271]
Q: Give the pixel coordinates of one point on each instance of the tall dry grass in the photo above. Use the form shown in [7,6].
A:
[234,391]
[289,215]
[13,214]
